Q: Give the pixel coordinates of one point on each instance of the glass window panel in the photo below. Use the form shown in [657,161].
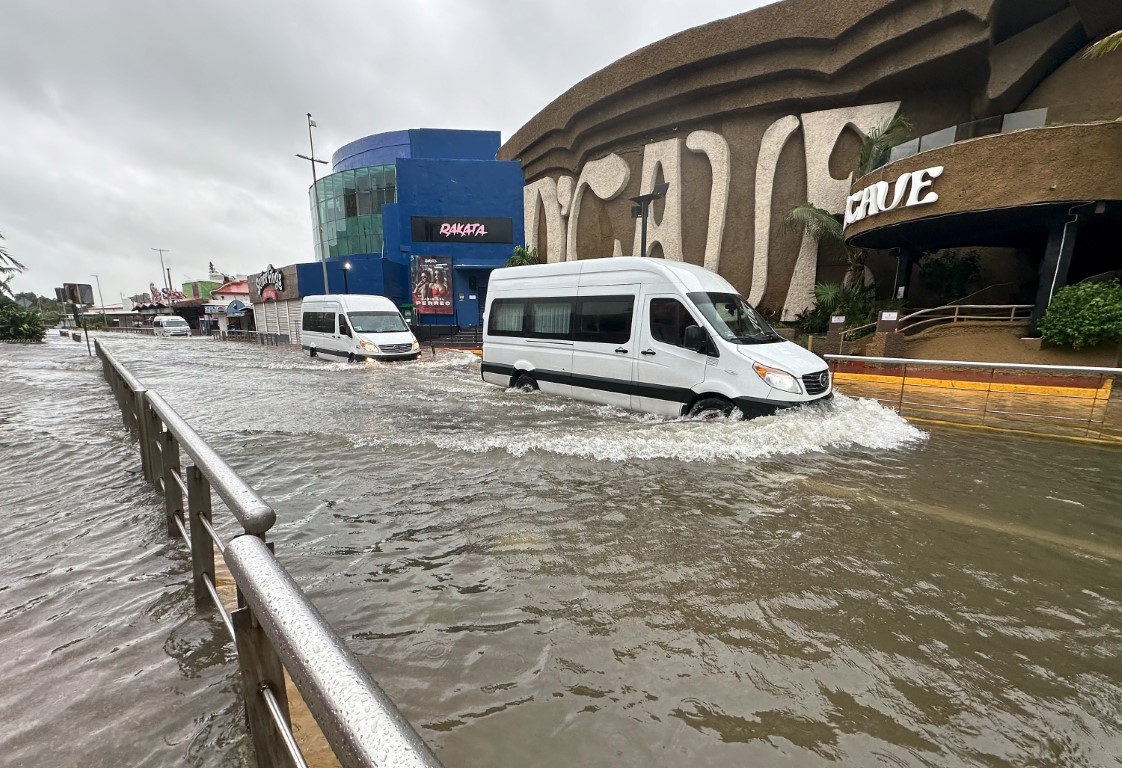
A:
[937,139]
[550,318]
[365,203]
[362,179]
[1030,118]
[669,319]
[605,319]
[348,181]
[389,178]
[350,203]
[376,177]
[506,317]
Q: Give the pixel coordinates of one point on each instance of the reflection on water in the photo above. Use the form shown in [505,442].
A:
[540,581]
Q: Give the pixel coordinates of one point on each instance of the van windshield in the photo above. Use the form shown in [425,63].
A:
[175,322]
[734,319]
[376,322]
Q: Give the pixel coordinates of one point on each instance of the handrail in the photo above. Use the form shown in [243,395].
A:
[255,515]
[971,364]
[368,731]
[951,307]
[277,628]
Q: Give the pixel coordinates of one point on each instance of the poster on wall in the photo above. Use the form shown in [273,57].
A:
[432,285]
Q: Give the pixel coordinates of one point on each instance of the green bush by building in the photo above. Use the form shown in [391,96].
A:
[1084,315]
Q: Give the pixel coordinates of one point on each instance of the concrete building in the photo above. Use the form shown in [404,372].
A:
[752,115]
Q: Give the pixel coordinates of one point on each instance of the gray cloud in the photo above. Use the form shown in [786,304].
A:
[132,125]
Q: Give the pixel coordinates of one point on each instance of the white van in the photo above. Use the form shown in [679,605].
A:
[170,325]
[357,327]
[650,335]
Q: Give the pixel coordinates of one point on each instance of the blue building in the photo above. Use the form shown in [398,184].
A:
[422,216]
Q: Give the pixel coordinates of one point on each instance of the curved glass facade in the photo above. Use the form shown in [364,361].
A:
[350,208]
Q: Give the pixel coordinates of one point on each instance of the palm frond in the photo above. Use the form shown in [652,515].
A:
[1108,44]
[820,224]
[878,143]
[522,256]
[9,268]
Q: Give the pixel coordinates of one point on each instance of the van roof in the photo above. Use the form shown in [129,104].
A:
[353,301]
[690,276]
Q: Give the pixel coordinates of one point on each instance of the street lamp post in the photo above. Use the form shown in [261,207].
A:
[642,204]
[104,322]
[312,159]
[346,269]
[163,270]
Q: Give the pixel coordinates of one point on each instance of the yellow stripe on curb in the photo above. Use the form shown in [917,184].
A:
[1088,393]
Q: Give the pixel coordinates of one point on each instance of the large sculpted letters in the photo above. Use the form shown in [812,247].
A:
[821,131]
[606,178]
[714,147]
[666,231]
[545,191]
[775,138]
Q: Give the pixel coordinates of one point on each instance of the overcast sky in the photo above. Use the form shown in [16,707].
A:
[128,126]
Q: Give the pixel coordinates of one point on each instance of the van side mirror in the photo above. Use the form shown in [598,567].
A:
[695,338]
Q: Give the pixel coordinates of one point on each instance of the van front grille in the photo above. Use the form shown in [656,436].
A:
[394,349]
[816,383]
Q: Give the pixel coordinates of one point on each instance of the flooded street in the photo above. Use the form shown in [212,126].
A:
[537,581]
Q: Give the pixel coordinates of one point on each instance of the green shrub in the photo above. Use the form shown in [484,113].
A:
[856,302]
[1084,315]
[20,325]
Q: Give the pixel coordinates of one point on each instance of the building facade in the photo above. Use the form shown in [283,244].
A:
[750,116]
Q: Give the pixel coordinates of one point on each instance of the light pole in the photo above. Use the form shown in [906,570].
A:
[163,269]
[346,269]
[104,322]
[642,204]
[312,159]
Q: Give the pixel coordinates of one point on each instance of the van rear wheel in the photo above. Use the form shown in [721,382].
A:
[311,351]
[709,408]
[526,383]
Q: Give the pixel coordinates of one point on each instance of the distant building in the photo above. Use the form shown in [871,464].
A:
[421,216]
[228,308]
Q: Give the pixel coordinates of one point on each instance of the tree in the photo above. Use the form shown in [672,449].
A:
[9,268]
[522,257]
[1108,44]
[826,228]
[877,144]
[20,325]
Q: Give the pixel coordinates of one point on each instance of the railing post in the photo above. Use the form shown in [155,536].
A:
[173,495]
[139,405]
[260,666]
[202,548]
[153,427]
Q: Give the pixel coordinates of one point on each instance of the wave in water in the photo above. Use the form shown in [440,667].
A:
[843,423]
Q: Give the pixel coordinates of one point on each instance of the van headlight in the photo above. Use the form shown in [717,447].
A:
[368,346]
[415,347]
[778,379]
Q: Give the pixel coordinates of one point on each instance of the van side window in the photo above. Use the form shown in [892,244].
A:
[605,319]
[551,319]
[669,319]
[343,327]
[506,317]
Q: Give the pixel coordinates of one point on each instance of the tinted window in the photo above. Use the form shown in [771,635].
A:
[506,317]
[343,327]
[669,319]
[318,322]
[605,319]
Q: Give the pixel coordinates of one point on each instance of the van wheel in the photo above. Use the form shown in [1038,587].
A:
[351,357]
[709,408]
[526,383]
[311,351]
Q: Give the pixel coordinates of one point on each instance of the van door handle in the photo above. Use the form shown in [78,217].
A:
[621,351]
[647,352]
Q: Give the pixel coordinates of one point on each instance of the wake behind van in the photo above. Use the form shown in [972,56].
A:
[170,325]
[649,335]
[355,327]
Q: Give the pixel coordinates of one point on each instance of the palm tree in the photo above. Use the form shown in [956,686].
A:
[826,228]
[522,257]
[9,268]
[1108,44]
[877,144]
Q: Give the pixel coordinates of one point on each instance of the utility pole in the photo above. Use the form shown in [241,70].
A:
[167,280]
[312,159]
[101,298]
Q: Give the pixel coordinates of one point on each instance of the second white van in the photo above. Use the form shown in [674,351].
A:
[170,325]
[355,327]
[649,335]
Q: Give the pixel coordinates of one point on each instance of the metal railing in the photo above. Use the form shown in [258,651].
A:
[139,330]
[253,337]
[1062,400]
[955,313]
[276,628]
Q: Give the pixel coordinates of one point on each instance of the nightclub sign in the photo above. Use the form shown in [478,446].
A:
[911,189]
[443,229]
[269,283]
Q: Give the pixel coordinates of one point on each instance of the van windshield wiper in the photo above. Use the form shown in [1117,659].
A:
[769,339]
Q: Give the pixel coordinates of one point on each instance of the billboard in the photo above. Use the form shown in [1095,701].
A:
[78,293]
[431,277]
